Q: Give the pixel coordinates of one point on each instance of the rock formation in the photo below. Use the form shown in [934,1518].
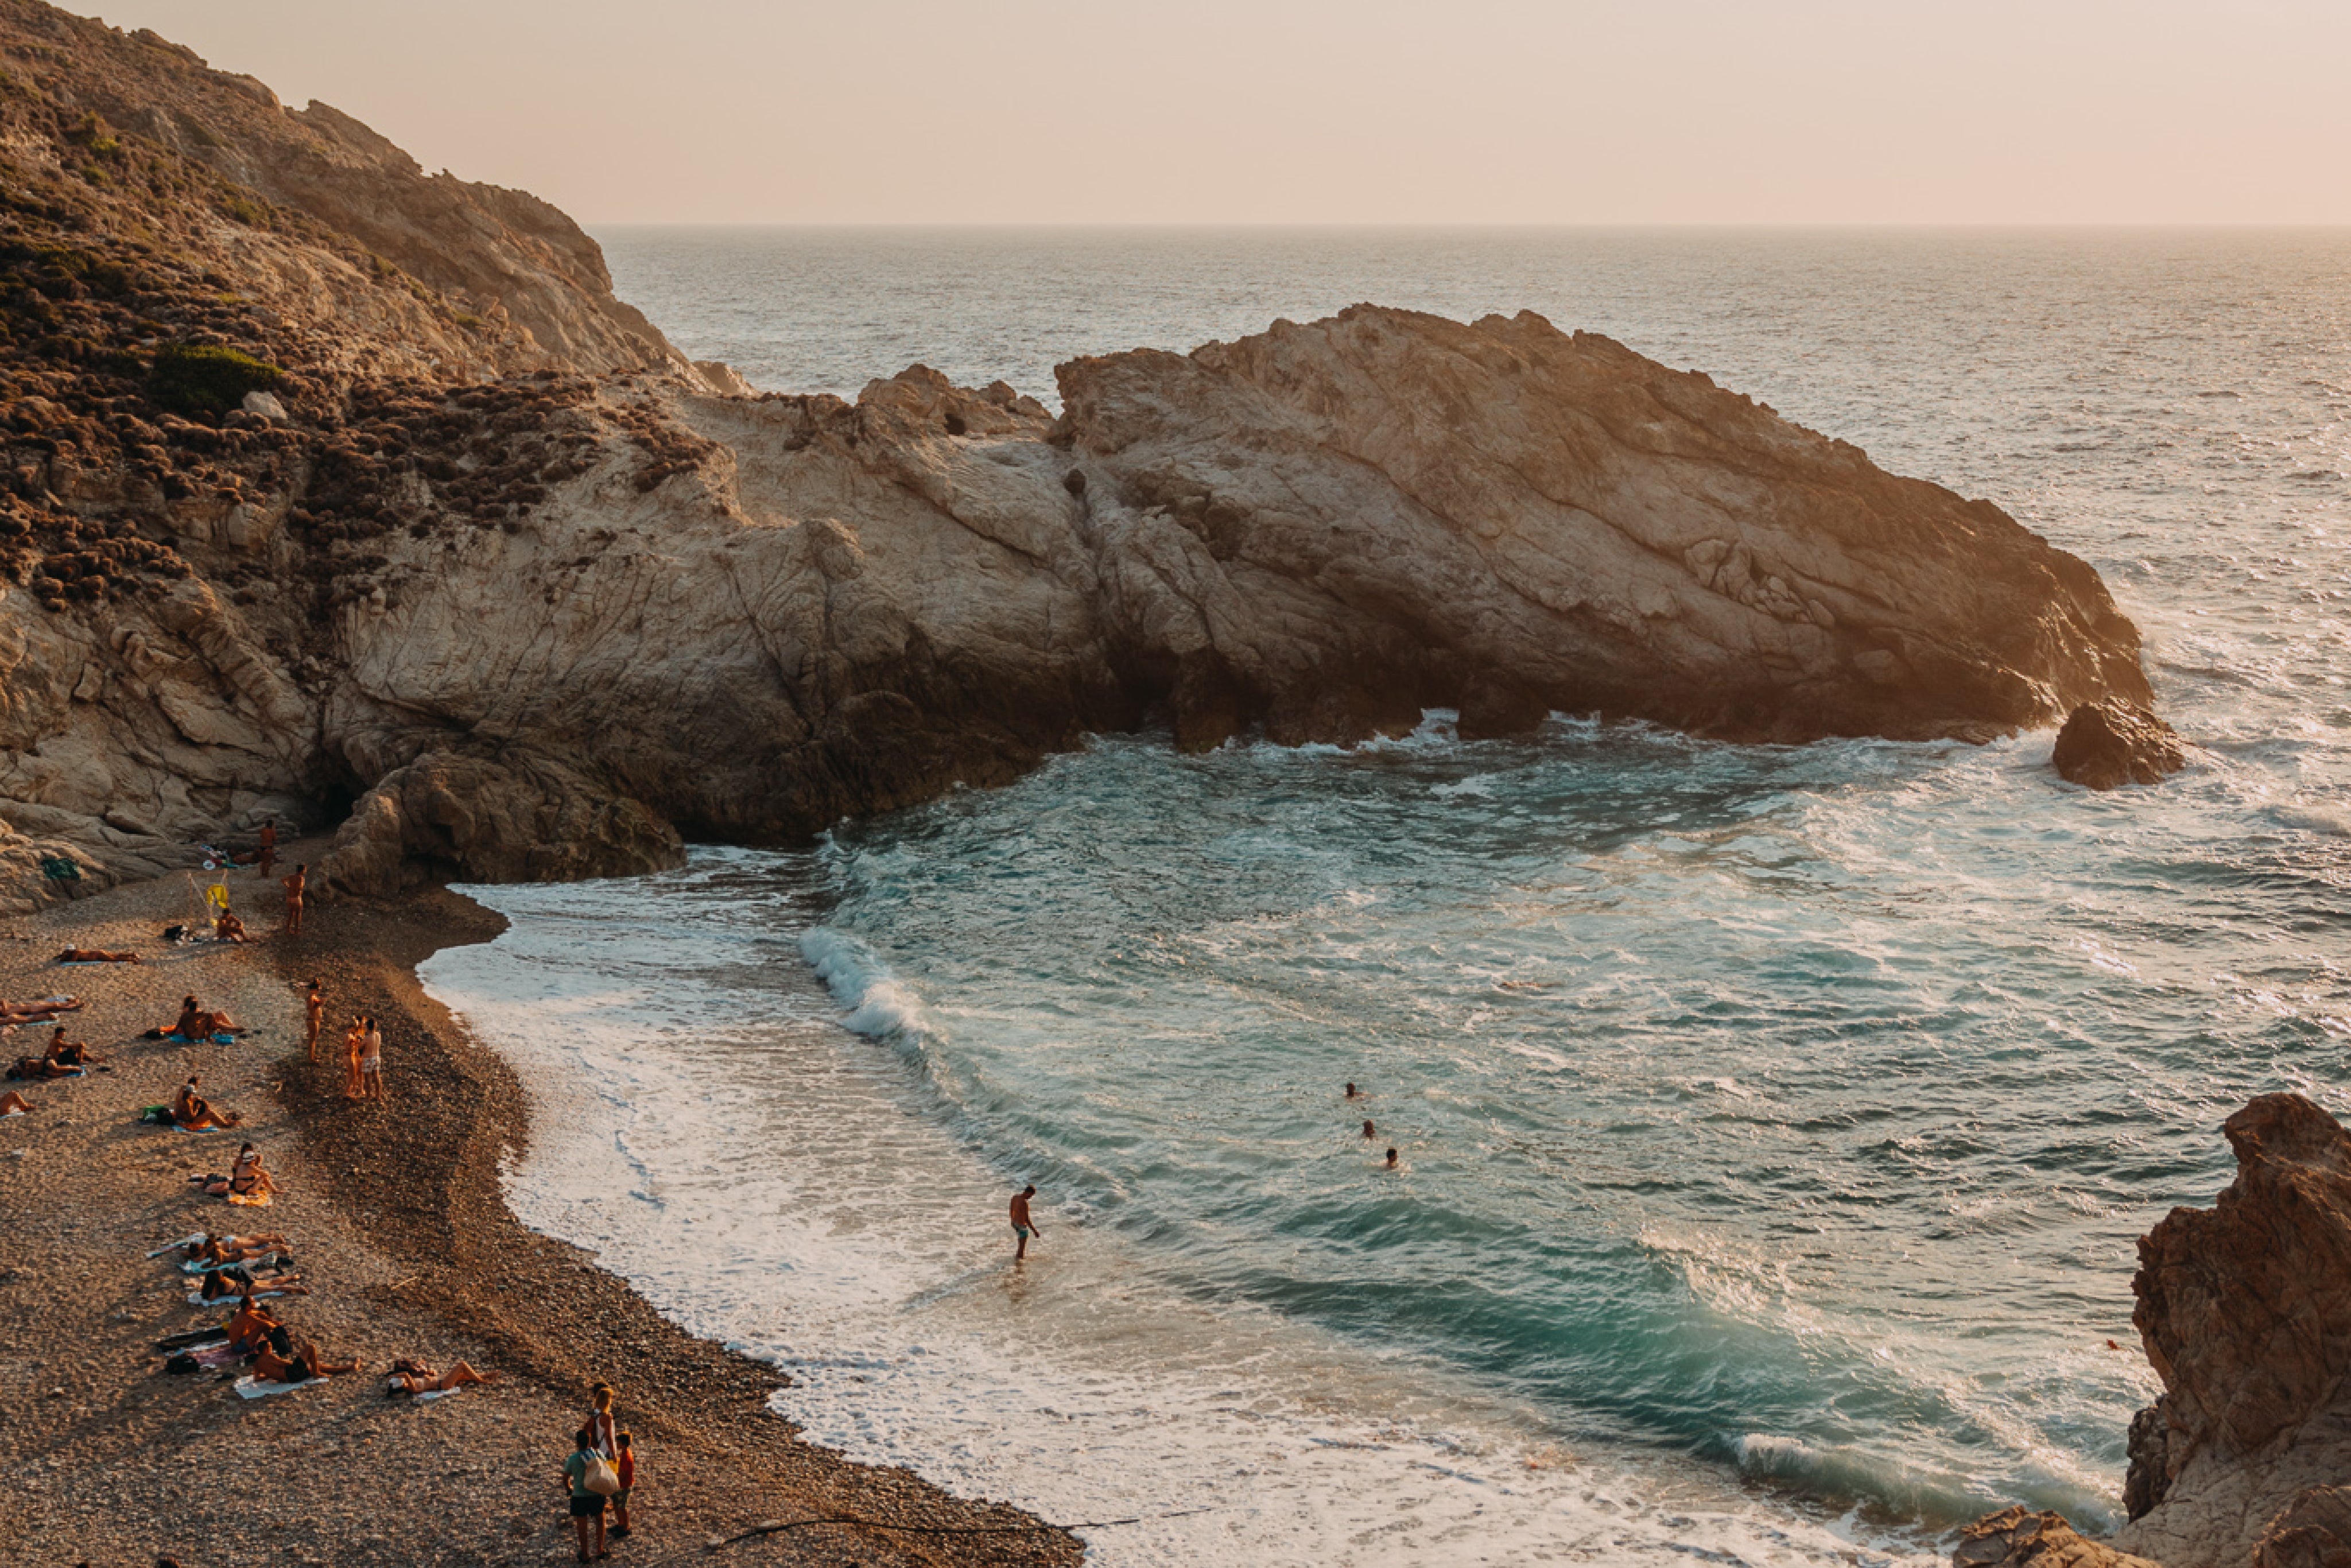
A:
[2113,742]
[334,491]
[2245,1312]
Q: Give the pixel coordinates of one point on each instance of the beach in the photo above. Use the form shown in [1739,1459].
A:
[395,1216]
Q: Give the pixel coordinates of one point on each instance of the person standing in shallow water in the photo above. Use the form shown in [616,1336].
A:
[1024,1224]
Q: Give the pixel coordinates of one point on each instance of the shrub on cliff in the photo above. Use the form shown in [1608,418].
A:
[191,378]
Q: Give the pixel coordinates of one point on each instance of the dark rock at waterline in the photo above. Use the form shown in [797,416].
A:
[2114,741]
[2244,1310]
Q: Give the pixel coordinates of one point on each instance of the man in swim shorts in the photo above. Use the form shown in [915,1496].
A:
[1023,1225]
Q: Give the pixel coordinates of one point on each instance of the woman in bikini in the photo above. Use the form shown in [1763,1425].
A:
[64,1052]
[416,1378]
[246,1179]
[372,1063]
[95,956]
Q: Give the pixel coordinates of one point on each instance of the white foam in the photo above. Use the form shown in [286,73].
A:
[781,1187]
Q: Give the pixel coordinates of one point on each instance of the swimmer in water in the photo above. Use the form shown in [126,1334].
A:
[1368,1133]
[1354,1093]
[1392,1160]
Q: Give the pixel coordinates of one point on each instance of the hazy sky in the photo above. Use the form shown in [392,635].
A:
[1516,111]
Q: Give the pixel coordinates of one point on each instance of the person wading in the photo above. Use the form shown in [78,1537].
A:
[1024,1224]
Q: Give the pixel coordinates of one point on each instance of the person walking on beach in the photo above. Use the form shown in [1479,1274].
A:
[587,1502]
[1024,1224]
[354,1042]
[371,1069]
[268,846]
[317,1005]
[293,885]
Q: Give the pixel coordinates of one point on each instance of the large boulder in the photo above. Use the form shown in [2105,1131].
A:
[2114,741]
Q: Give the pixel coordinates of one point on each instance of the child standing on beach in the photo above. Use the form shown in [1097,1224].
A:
[626,1466]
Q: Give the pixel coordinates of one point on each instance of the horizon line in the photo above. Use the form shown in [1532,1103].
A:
[1391,226]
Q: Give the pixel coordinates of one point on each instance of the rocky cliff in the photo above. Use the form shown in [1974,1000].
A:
[2245,1313]
[342,494]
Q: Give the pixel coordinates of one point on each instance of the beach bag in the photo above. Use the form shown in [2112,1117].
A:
[600,1477]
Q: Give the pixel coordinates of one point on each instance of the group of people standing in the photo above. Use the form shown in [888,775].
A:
[600,1473]
[362,1046]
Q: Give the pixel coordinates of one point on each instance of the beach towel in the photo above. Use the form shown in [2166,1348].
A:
[183,1039]
[249,1199]
[5,1116]
[215,1268]
[175,1246]
[431,1394]
[196,1298]
[252,1387]
[217,1356]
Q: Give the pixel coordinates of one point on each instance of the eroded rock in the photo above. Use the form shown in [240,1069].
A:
[2115,741]
[2244,1310]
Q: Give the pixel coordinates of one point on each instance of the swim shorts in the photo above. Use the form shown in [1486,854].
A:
[588,1506]
[1021,1231]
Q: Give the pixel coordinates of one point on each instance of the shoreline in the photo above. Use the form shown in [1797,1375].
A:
[398,1217]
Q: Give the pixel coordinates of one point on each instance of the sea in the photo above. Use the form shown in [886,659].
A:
[1774,1124]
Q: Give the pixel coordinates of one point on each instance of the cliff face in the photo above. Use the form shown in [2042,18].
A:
[324,499]
[535,282]
[2245,1312]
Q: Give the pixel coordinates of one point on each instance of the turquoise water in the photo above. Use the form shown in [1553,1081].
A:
[1788,1111]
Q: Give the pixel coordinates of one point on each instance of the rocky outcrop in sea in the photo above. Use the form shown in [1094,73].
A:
[342,494]
[2244,1310]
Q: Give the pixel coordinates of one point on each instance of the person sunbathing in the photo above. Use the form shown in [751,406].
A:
[194,1112]
[96,955]
[304,1365]
[11,1103]
[250,1326]
[195,1023]
[234,1249]
[245,1178]
[45,1011]
[222,1284]
[44,1066]
[228,927]
[416,1378]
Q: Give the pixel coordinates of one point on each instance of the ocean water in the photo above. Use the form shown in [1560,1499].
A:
[1775,1123]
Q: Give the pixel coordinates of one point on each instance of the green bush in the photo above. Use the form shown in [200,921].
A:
[249,213]
[191,379]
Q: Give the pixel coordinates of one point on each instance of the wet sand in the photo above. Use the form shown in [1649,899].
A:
[395,1216]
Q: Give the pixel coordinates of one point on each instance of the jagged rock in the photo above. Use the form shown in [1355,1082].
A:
[2244,1310]
[2114,741]
[264,405]
[2019,1538]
